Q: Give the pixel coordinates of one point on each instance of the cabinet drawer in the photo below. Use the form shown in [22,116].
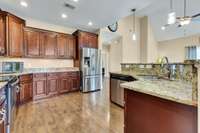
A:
[52,75]
[73,74]
[25,78]
[39,76]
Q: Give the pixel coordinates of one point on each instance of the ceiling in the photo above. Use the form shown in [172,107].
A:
[158,18]
[100,12]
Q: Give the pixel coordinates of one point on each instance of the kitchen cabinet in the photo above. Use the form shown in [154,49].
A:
[11,35]
[84,39]
[64,83]
[33,47]
[144,113]
[15,36]
[50,45]
[71,47]
[62,46]
[26,89]
[2,35]
[52,84]
[39,86]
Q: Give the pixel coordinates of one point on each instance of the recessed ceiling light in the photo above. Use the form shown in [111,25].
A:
[75,0]
[24,3]
[64,15]
[90,23]
[163,28]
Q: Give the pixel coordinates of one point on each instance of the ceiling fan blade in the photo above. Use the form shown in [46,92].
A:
[197,15]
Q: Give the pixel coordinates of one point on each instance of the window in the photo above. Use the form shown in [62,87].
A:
[192,53]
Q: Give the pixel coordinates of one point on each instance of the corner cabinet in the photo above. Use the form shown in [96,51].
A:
[11,35]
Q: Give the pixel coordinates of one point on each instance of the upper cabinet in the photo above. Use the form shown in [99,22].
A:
[61,46]
[50,45]
[2,35]
[71,47]
[11,35]
[47,44]
[86,39]
[66,46]
[15,36]
[32,43]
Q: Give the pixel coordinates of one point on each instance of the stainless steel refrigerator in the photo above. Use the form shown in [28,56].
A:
[91,73]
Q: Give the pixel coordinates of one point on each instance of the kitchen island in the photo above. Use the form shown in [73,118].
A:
[159,106]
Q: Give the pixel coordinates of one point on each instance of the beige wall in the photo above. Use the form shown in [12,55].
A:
[44,63]
[130,48]
[148,43]
[175,49]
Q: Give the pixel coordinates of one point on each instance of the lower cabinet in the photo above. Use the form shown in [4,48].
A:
[26,89]
[39,86]
[51,84]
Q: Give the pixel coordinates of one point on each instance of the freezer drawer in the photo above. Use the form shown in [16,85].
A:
[92,83]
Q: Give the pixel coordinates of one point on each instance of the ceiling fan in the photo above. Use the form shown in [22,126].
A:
[180,21]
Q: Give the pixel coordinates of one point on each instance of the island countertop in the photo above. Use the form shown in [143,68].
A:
[177,91]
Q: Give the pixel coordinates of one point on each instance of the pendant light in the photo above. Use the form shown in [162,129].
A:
[134,27]
[171,14]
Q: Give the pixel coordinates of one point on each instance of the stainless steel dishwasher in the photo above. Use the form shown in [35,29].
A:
[116,92]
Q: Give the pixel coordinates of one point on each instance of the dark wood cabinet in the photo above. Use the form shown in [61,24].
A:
[33,47]
[71,47]
[2,35]
[15,36]
[150,114]
[11,35]
[64,83]
[26,89]
[50,45]
[39,86]
[61,46]
[52,84]
[84,39]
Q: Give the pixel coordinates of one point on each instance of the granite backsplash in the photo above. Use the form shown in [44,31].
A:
[175,71]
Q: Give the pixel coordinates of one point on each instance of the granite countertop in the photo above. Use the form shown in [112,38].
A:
[3,84]
[43,70]
[39,70]
[178,91]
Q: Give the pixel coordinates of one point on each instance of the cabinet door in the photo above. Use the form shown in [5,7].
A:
[15,35]
[2,35]
[32,43]
[39,89]
[50,45]
[61,46]
[64,85]
[71,47]
[74,83]
[26,92]
[93,41]
[52,86]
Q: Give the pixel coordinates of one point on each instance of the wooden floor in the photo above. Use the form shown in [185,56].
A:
[71,113]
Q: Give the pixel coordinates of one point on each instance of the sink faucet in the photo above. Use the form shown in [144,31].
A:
[165,61]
